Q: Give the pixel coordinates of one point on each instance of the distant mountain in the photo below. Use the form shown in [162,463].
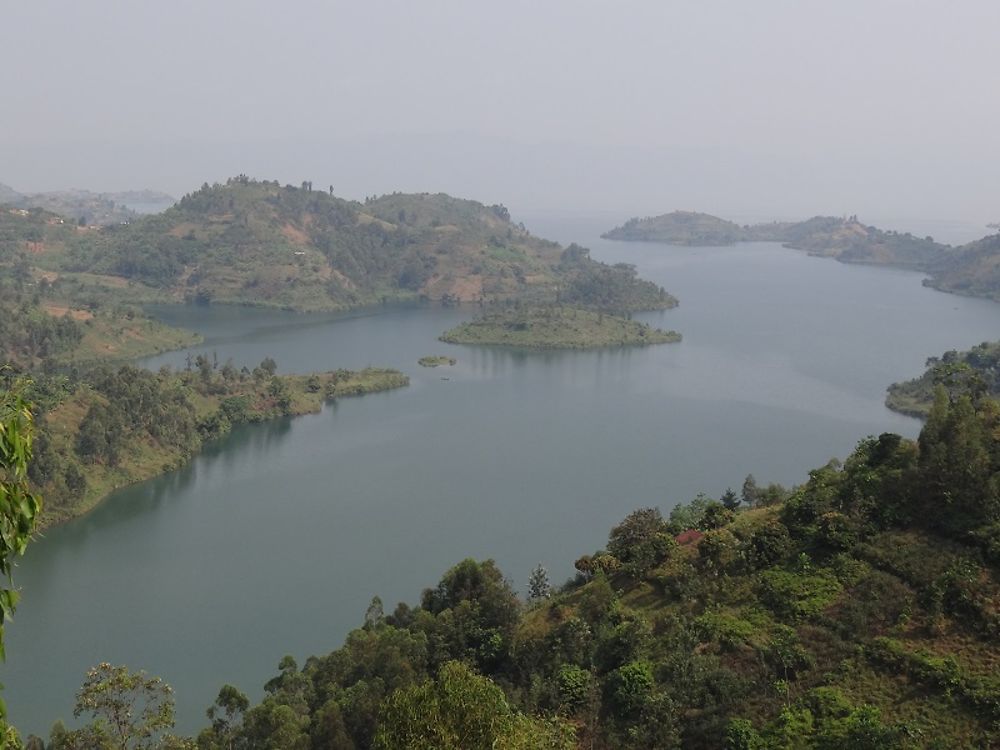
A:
[846,239]
[8,195]
[253,242]
[972,269]
[129,197]
[88,208]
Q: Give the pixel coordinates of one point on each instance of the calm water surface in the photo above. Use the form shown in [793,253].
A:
[274,540]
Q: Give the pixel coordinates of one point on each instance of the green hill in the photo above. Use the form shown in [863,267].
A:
[851,241]
[251,242]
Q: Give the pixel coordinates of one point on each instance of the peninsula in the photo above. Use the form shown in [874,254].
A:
[975,371]
[972,269]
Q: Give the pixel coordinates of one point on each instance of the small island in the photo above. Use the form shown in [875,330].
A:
[556,327]
[436,361]
[680,228]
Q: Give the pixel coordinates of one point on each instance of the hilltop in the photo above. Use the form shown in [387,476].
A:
[254,242]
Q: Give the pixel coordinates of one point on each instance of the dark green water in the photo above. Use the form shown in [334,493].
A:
[275,539]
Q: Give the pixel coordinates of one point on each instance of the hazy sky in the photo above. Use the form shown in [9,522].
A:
[770,108]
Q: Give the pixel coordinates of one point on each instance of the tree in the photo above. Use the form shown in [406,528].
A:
[375,614]
[751,493]
[461,710]
[130,710]
[730,499]
[226,715]
[641,541]
[269,366]
[538,584]
[19,507]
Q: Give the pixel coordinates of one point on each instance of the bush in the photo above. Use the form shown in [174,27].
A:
[641,541]
[798,595]
[768,545]
[630,687]
[574,685]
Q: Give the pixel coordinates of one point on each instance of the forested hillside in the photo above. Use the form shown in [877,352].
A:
[105,427]
[253,242]
[976,371]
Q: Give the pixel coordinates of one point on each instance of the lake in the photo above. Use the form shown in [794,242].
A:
[275,538]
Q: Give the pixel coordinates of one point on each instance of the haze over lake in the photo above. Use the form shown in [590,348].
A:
[274,540]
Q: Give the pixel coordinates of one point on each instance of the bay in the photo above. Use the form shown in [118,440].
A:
[274,539]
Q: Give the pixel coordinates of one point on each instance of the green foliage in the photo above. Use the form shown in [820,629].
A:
[575,684]
[131,424]
[959,463]
[719,550]
[689,515]
[555,327]
[460,710]
[798,595]
[256,242]
[129,709]
[538,584]
[611,289]
[975,372]
[741,735]
[29,335]
[641,541]
[475,613]
[630,687]
[19,506]
[769,543]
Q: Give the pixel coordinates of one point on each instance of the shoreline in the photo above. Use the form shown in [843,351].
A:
[157,461]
